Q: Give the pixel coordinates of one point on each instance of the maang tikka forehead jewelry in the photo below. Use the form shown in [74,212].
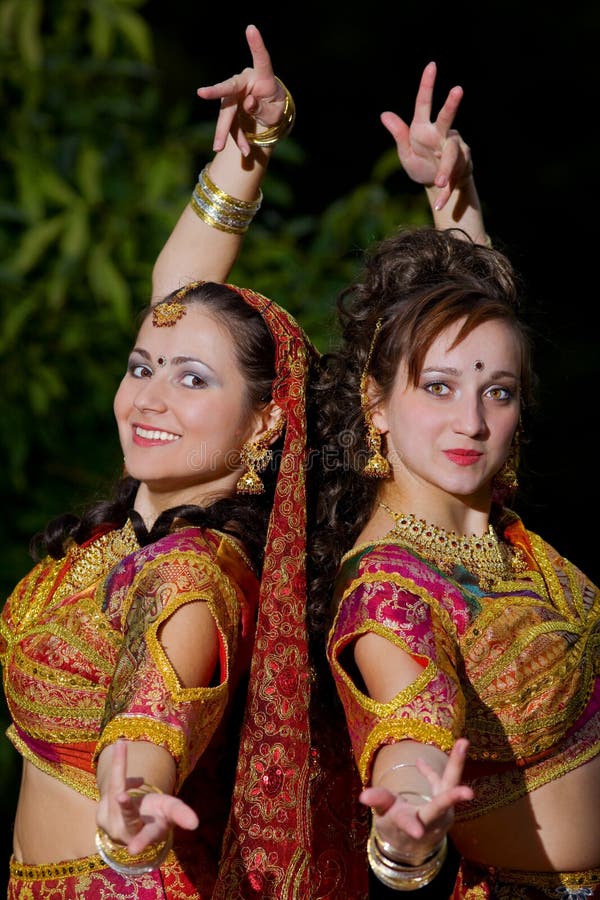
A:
[168,312]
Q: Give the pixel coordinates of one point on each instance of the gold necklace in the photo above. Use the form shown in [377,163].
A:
[486,557]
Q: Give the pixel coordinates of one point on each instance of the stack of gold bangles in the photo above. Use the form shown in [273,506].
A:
[219,209]
[399,874]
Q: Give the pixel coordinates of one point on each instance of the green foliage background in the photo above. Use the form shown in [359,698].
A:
[94,171]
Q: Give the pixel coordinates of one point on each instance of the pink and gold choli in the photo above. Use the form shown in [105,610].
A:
[513,666]
[83,666]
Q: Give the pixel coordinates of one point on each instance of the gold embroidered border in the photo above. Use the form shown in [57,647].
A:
[552,583]
[544,880]
[215,581]
[402,697]
[517,647]
[68,869]
[399,730]
[54,871]
[142,728]
[500,794]
[88,564]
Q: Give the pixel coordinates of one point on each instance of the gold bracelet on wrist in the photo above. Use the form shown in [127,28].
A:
[403,876]
[281,129]
[118,857]
[219,209]
[220,196]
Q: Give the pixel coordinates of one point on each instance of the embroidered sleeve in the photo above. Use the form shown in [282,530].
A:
[407,612]
[146,701]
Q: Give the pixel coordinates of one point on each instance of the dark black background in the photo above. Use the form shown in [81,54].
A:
[530,116]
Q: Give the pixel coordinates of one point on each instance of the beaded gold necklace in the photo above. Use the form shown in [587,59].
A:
[485,557]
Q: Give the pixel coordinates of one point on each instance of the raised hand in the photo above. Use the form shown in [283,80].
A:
[254,91]
[431,152]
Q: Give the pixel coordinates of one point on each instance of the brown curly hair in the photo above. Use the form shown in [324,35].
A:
[416,284]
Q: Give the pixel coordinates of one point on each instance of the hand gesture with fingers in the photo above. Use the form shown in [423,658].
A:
[136,815]
[413,831]
[431,152]
[254,92]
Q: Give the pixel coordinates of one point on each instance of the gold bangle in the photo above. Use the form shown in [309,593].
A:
[219,209]
[212,216]
[281,129]
[404,877]
[220,196]
[118,857]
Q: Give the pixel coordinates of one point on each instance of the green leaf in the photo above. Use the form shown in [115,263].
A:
[51,186]
[29,197]
[29,41]
[137,33]
[88,172]
[100,33]
[14,317]
[35,242]
[43,389]
[108,284]
[76,233]
[8,9]
[57,287]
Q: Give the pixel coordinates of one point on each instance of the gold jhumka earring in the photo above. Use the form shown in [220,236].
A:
[255,456]
[506,480]
[377,465]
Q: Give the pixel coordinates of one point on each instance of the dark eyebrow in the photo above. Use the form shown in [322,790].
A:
[141,352]
[442,370]
[181,360]
[504,373]
[448,370]
[176,360]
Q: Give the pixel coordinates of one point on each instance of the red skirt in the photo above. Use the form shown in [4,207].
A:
[89,878]
[489,883]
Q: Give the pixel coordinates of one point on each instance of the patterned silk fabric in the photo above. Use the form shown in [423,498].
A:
[479,883]
[83,666]
[91,879]
[526,651]
[294,824]
[289,828]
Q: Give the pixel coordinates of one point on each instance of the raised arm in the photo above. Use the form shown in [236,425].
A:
[434,154]
[255,112]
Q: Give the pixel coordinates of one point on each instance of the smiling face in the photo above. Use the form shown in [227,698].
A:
[183,412]
[451,432]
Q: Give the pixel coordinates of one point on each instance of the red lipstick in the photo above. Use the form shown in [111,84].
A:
[463,457]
